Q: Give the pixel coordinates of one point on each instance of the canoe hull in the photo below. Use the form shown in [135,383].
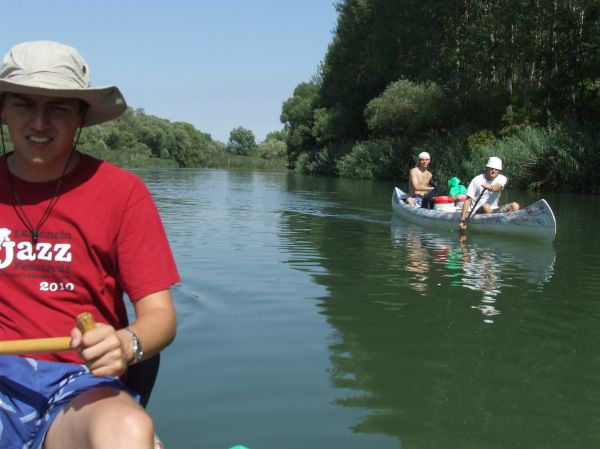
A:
[535,221]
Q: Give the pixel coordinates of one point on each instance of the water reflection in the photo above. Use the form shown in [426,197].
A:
[481,273]
[484,264]
[417,262]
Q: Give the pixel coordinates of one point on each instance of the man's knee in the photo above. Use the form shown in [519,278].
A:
[138,426]
[101,418]
[485,209]
[130,427]
[511,207]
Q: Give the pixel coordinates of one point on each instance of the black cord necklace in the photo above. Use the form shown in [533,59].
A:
[35,230]
[18,206]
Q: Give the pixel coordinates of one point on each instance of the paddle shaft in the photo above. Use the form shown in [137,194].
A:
[474,205]
[85,322]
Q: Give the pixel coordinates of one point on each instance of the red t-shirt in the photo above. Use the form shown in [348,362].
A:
[102,237]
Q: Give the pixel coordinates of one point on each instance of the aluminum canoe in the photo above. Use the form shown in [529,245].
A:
[535,221]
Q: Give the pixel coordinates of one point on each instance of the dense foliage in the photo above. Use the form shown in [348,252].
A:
[136,139]
[518,79]
[139,140]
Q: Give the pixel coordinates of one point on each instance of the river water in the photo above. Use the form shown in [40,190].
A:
[310,317]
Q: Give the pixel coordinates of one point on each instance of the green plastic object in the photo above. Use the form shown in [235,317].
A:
[456,188]
[239,446]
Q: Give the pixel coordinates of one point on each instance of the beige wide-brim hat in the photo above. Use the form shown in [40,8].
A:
[57,70]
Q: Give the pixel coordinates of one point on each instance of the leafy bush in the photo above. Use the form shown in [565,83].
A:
[271,149]
[301,164]
[319,162]
[359,163]
[546,159]
[379,159]
[405,108]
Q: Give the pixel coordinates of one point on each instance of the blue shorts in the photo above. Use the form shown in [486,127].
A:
[32,394]
[418,199]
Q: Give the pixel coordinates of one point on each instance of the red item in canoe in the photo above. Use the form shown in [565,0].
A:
[443,199]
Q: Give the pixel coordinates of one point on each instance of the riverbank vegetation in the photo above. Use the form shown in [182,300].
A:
[519,79]
[136,140]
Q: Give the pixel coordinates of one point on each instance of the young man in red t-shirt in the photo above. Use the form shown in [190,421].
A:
[76,234]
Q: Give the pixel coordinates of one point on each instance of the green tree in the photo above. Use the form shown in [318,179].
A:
[241,141]
[297,115]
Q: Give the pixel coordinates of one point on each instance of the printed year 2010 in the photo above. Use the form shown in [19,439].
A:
[56,286]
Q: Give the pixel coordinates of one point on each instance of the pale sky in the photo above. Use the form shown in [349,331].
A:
[215,64]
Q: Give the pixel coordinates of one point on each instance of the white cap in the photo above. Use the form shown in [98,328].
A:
[494,162]
[424,155]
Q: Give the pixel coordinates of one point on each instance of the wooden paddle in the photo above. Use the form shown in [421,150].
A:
[85,322]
